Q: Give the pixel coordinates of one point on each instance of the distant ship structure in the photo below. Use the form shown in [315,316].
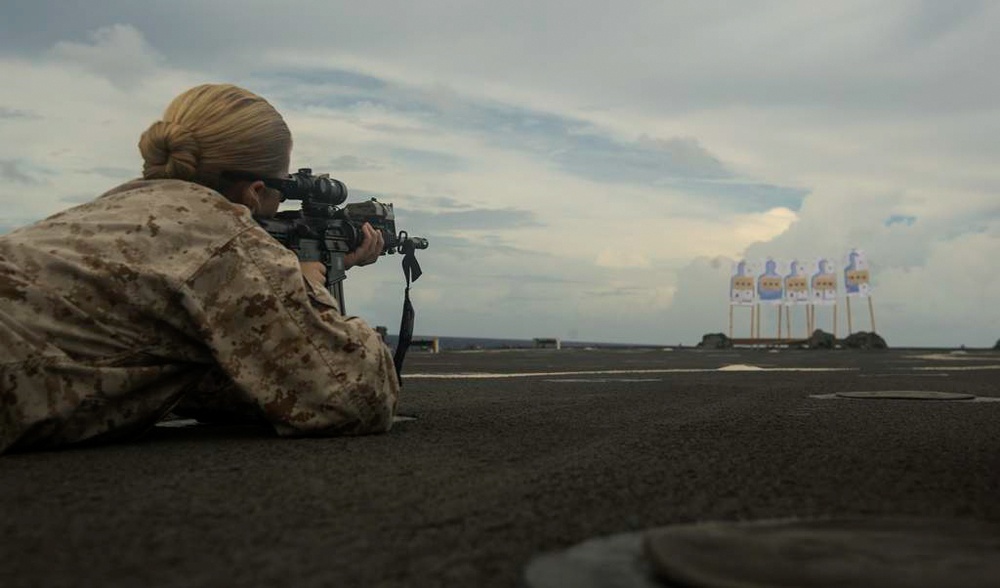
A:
[799,283]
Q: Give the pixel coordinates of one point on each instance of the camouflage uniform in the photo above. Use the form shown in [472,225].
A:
[112,310]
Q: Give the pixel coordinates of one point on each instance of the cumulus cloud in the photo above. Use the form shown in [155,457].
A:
[118,53]
[13,171]
[352,163]
[13,113]
[471,219]
[621,258]
[591,185]
[900,219]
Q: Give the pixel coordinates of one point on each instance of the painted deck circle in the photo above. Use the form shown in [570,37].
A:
[862,553]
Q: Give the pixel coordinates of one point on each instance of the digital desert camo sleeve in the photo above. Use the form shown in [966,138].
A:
[112,311]
[285,345]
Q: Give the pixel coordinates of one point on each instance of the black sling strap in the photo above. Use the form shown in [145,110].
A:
[411,270]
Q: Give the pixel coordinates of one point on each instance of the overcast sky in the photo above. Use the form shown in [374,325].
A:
[584,170]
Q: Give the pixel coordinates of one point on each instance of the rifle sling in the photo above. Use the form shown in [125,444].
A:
[411,271]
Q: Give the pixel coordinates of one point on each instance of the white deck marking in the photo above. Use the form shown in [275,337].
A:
[962,368]
[740,367]
[977,399]
[956,357]
[602,380]
[897,374]
[489,375]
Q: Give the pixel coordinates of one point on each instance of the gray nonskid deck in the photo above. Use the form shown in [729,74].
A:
[513,454]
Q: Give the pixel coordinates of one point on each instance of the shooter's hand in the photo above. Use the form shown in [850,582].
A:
[368,251]
[315,272]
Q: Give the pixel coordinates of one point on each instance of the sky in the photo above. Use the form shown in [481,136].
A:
[583,170]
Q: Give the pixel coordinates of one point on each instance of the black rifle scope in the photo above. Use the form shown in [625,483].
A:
[319,190]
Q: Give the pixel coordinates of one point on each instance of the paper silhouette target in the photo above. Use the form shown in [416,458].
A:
[742,290]
[857,276]
[770,285]
[823,282]
[796,284]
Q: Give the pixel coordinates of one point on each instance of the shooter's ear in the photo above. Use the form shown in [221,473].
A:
[248,194]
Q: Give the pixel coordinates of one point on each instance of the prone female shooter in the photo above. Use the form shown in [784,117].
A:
[112,311]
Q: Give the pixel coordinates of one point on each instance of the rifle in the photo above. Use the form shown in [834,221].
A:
[322,230]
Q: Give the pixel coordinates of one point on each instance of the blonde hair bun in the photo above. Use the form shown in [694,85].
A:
[214,128]
[169,151]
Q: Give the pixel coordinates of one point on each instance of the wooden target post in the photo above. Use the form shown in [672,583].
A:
[850,325]
[754,318]
[871,315]
[783,322]
[812,321]
[791,312]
